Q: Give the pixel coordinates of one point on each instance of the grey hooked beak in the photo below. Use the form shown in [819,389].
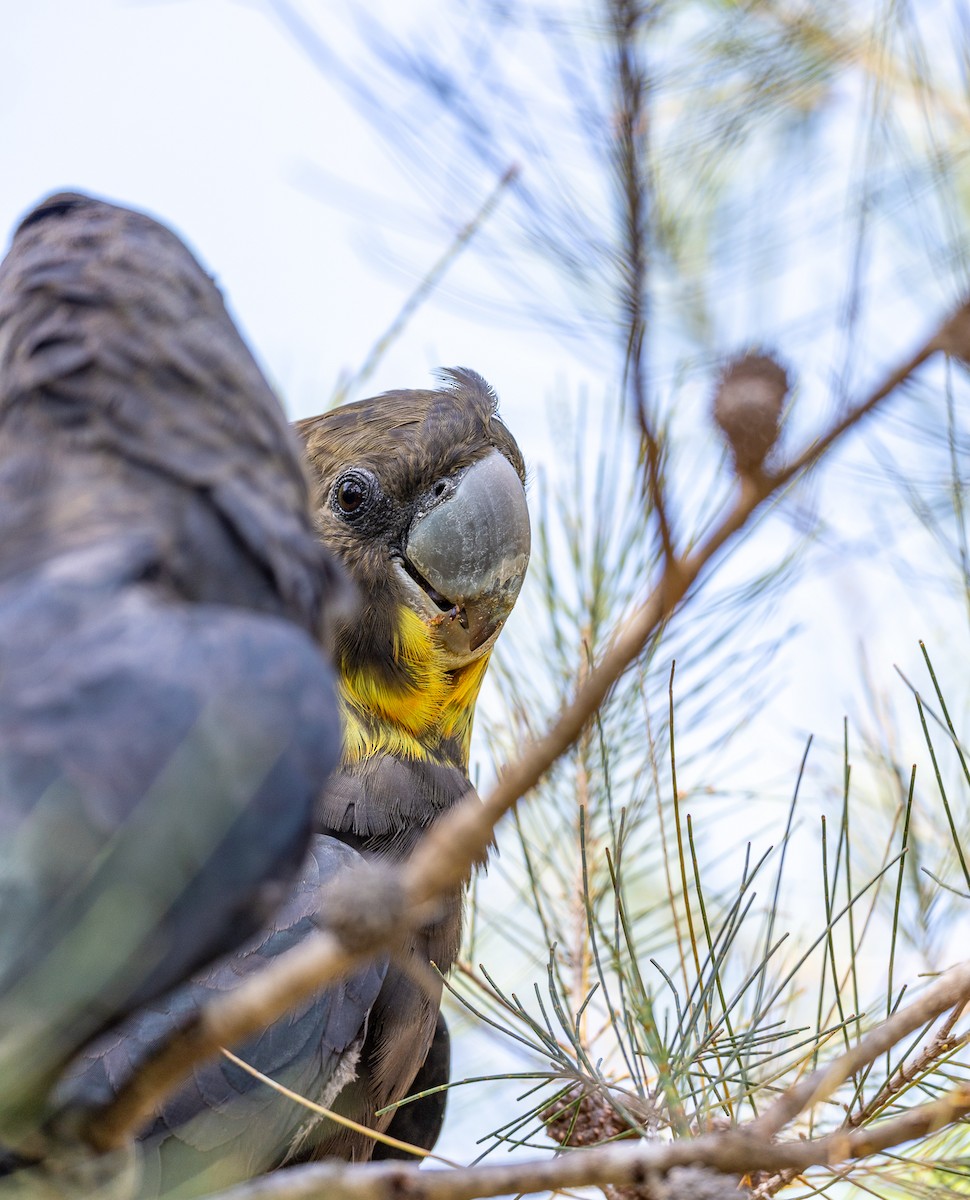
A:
[469,544]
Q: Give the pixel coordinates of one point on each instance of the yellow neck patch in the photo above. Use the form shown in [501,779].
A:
[429,716]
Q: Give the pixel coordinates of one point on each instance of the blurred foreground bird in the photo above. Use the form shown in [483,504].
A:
[420,495]
[167,721]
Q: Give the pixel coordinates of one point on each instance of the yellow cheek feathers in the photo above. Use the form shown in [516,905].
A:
[429,716]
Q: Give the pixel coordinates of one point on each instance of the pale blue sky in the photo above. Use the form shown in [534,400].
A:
[207,114]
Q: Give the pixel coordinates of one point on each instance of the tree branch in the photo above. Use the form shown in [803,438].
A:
[445,856]
[632,1164]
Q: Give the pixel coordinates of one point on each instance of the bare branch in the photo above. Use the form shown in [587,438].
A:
[224,1022]
[634,1164]
[942,1045]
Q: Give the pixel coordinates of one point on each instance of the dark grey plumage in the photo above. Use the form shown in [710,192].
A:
[166,717]
[223,1124]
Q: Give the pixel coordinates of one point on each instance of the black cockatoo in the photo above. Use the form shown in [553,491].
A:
[167,719]
[420,494]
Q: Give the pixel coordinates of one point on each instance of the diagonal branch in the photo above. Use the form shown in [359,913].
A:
[943,1044]
[445,856]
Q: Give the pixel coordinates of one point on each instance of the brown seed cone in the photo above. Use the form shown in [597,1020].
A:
[581,1118]
[747,407]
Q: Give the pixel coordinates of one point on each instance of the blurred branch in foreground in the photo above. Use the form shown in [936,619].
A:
[446,854]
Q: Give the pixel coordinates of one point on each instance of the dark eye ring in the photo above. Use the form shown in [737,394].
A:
[352,493]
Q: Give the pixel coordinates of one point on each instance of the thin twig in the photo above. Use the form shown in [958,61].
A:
[632,170]
[950,991]
[425,288]
[943,1044]
[338,1118]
